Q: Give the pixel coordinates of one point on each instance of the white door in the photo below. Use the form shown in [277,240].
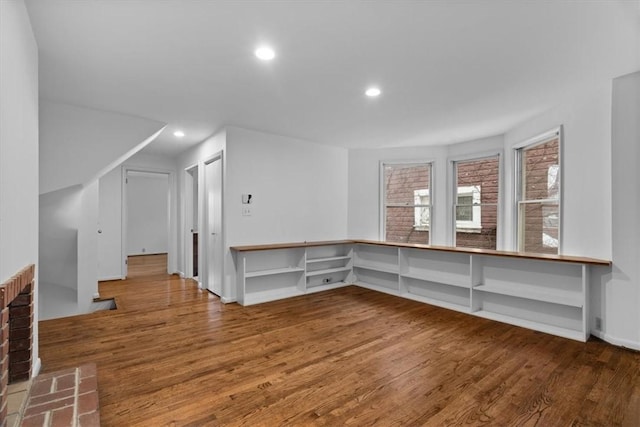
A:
[213,238]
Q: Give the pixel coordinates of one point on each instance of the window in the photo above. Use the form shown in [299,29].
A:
[421,211]
[538,201]
[407,202]
[468,209]
[476,202]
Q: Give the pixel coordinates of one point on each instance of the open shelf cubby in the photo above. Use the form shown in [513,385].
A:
[379,258]
[557,283]
[442,267]
[376,279]
[270,275]
[562,320]
[328,265]
[451,297]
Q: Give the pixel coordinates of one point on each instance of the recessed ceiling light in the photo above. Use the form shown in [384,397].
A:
[265,53]
[372,92]
[178,133]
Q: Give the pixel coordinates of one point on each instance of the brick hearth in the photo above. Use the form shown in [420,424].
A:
[66,398]
[16,328]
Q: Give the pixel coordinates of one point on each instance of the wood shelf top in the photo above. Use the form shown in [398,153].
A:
[488,252]
[270,246]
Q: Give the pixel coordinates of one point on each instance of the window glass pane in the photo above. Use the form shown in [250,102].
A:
[539,227]
[482,237]
[401,224]
[464,210]
[477,200]
[541,171]
[482,174]
[403,183]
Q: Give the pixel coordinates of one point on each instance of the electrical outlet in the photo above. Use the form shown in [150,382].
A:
[599,323]
[246,211]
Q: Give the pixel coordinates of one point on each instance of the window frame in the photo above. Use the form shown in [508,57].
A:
[475,224]
[540,139]
[453,190]
[426,193]
[383,193]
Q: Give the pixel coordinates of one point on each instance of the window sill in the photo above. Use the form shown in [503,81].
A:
[469,230]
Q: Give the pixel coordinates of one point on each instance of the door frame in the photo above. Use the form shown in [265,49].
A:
[171,224]
[189,211]
[203,227]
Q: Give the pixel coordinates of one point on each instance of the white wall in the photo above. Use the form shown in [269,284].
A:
[620,295]
[110,225]
[88,247]
[586,172]
[364,184]
[19,148]
[110,214]
[68,245]
[59,221]
[299,189]
[147,213]
[101,139]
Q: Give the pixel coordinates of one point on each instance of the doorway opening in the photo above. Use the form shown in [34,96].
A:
[192,215]
[146,228]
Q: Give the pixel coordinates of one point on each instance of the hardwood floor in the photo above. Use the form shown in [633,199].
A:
[146,266]
[173,355]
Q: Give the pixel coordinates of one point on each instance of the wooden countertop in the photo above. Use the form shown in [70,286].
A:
[488,252]
[289,245]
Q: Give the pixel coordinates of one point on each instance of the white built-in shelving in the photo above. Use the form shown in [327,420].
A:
[438,278]
[376,267]
[541,292]
[271,272]
[328,266]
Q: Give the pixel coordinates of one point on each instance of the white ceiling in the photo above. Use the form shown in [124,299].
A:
[449,70]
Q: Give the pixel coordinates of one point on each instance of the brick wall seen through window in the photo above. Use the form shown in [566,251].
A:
[476,208]
[539,201]
[407,202]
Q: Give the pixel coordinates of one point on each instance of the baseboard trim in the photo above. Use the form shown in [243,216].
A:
[35,369]
[226,300]
[147,254]
[108,278]
[620,342]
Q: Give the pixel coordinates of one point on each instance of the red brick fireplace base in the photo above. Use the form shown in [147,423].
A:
[67,398]
[16,328]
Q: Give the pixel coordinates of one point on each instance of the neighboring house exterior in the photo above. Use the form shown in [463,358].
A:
[477,198]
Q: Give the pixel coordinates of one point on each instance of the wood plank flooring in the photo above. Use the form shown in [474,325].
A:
[173,355]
